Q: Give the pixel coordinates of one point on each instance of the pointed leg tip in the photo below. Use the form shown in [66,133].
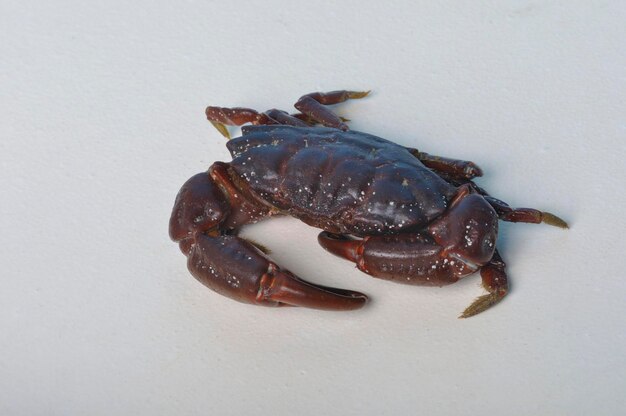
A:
[467,313]
[472,170]
[359,94]
[481,304]
[283,287]
[551,219]
[222,129]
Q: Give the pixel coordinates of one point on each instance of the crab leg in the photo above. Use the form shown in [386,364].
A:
[221,117]
[460,172]
[453,168]
[282,117]
[415,259]
[313,105]
[208,208]
[529,215]
[311,122]
[504,211]
[494,281]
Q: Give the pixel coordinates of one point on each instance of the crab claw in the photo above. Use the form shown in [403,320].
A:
[283,287]
[235,268]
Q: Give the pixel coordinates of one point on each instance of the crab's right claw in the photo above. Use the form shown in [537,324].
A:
[233,267]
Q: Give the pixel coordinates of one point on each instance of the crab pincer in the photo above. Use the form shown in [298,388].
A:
[235,268]
[206,212]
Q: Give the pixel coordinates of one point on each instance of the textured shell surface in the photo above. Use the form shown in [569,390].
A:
[343,182]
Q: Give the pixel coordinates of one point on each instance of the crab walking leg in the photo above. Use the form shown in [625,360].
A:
[495,282]
[313,105]
[415,259]
[221,117]
[504,211]
[282,117]
[311,122]
[208,206]
[528,215]
[452,168]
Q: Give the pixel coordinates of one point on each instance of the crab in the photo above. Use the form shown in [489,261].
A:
[398,213]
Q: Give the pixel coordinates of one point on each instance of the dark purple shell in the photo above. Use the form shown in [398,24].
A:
[344,182]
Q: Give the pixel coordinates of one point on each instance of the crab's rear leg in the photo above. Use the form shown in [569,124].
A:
[208,209]
[314,105]
[461,172]
[528,215]
[505,212]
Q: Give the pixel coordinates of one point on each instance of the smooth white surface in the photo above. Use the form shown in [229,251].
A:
[102,121]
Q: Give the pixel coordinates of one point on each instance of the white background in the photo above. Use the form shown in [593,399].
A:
[102,119]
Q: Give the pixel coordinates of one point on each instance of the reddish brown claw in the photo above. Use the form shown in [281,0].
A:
[208,206]
[283,287]
[233,267]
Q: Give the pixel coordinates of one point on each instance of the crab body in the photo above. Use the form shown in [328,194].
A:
[342,182]
[397,213]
